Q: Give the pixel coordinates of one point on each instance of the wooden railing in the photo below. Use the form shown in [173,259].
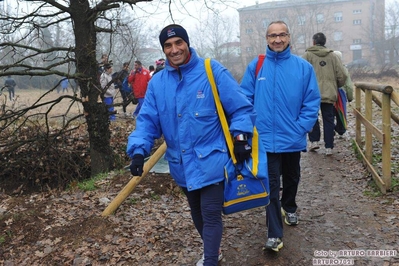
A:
[382,96]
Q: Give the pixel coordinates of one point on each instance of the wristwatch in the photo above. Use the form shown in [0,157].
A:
[241,137]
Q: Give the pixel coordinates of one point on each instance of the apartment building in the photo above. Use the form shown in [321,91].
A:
[354,27]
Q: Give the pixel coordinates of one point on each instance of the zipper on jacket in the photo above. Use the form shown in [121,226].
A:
[180,76]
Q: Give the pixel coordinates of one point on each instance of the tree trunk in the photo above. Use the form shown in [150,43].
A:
[96,112]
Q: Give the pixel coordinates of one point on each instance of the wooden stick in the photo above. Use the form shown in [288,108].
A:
[134,181]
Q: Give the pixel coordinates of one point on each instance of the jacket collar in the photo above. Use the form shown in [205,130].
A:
[278,55]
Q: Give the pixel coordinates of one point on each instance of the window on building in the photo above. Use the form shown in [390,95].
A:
[357,21]
[357,41]
[249,31]
[357,11]
[338,16]
[301,20]
[301,39]
[337,36]
[319,18]
[248,20]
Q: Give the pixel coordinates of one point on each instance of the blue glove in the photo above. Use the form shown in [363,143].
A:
[136,167]
[242,150]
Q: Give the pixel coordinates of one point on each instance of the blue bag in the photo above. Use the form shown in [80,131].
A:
[247,184]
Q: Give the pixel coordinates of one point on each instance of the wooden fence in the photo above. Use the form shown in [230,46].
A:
[382,95]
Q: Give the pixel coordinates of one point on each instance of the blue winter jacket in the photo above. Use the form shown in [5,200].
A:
[286,98]
[179,104]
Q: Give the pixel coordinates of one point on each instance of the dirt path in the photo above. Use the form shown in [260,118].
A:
[334,216]
[153,226]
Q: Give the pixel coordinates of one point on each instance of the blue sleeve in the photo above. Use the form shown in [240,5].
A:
[248,81]
[239,110]
[148,128]
[311,101]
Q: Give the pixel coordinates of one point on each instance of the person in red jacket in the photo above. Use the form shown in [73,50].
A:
[138,80]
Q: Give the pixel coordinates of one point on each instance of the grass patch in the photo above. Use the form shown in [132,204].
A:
[356,151]
[90,184]
[132,201]
[395,184]
[2,239]
[373,190]
[155,196]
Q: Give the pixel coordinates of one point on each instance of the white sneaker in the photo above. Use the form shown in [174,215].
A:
[201,261]
[329,151]
[314,145]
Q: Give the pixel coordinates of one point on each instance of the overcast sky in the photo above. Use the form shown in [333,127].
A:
[192,12]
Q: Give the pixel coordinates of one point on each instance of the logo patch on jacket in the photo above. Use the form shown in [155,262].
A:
[200,95]
[322,63]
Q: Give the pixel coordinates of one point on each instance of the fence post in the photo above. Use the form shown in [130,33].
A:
[386,145]
[369,116]
[358,106]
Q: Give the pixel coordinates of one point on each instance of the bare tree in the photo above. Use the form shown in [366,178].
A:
[392,33]
[46,40]
[29,50]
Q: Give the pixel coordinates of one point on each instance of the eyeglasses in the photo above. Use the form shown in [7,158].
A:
[274,36]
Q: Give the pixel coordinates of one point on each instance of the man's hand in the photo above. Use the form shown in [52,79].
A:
[136,167]
[242,150]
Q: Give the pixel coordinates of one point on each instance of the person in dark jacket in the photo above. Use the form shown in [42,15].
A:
[160,65]
[179,105]
[286,99]
[119,78]
[330,76]
[10,84]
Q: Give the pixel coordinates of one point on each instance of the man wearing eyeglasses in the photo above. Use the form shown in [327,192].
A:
[285,94]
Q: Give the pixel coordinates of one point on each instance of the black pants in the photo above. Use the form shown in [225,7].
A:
[11,93]
[287,165]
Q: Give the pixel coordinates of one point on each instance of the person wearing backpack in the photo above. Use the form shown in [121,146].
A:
[286,98]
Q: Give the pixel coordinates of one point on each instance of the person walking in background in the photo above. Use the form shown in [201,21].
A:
[179,105]
[285,94]
[103,61]
[330,76]
[64,84]
[108,86]
[10,84]
[160,64]
[151,69]
[348,88]
[138,79]
[119,79]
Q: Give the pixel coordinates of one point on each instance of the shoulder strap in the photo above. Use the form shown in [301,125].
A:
[261,58]
[220,110]
[225,126]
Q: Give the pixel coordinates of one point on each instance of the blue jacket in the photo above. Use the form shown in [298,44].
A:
[179,104]
[286,98]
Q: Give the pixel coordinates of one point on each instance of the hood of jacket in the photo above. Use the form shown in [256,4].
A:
[320,51]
